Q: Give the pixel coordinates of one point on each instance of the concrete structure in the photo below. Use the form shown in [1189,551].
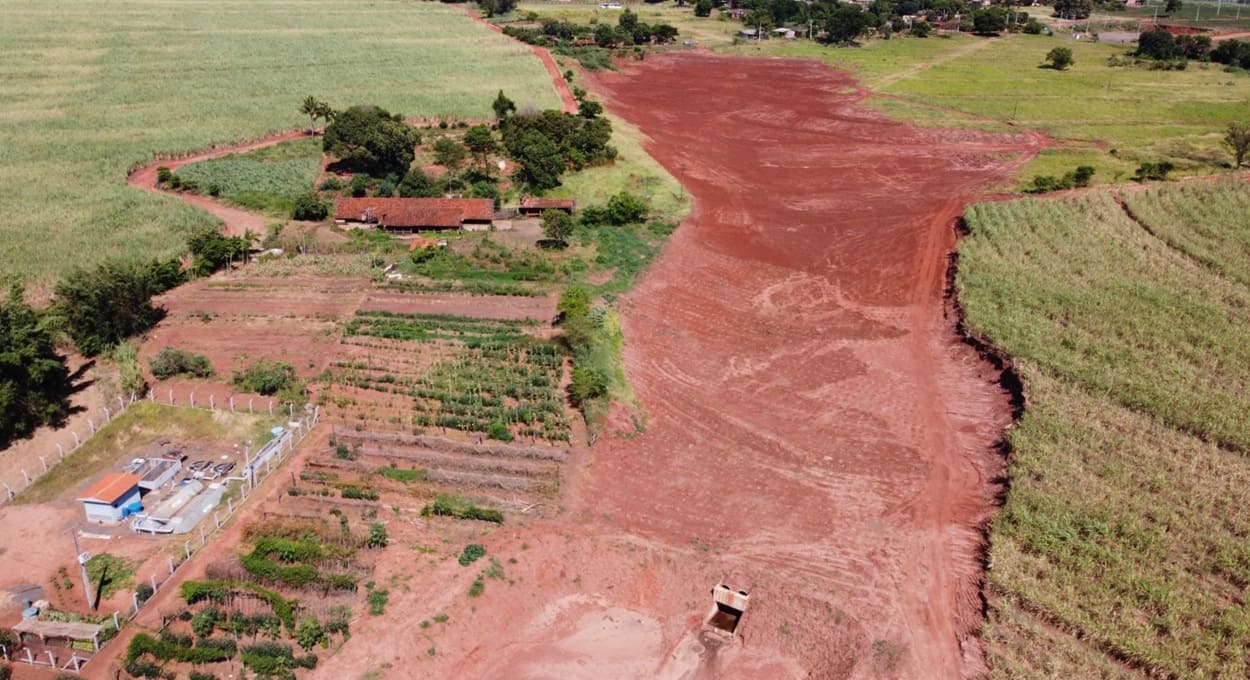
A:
[164,519]
[411,215]
[728,606]
[108,499]
[156,471]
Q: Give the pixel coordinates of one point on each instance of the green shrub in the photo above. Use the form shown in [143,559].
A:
[200,675]
[451,505]
[309,633]
[377,536]
[499,431]
[170,362]
[265,377]
[309,208]
[164,175]
[479,585]
[377,599]
[472,553]
[401,475]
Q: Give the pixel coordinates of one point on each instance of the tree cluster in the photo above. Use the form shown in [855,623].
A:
[546,144]
[214,250]
[1162,46]
[369,139]
[103,306]
[629,31]
[1073,179]
[1232,52]
[34,382]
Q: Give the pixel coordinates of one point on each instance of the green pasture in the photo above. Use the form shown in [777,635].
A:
[88,89]
[1121,547]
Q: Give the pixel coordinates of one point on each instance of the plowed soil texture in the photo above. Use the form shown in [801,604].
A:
[813,414]
[815,433]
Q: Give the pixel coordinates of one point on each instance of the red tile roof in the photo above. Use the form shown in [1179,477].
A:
[535,203]
[110,488]
[415,212]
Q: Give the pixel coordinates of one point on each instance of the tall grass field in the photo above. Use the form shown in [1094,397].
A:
[1121,550]
[89,88]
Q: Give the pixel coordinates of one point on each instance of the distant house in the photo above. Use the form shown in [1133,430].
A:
[411,215]
[748,33]
[736,13]
[787,33]
[533,206]
[111,498]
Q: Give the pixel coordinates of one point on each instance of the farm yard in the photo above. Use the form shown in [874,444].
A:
[1121,545]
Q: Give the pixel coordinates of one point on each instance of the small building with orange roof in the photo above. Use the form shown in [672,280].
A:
[111,498]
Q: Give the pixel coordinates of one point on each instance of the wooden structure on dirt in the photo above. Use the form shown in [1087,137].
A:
[532,206]
[728,606]
[412,215]
[56,645]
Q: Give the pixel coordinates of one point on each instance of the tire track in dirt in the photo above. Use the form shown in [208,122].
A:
[812,410]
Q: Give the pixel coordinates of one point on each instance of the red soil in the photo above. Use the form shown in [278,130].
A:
[811,405]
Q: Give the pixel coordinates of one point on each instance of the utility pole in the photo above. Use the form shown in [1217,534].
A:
[82,558]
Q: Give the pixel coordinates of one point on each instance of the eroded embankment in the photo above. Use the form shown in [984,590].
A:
[815,415]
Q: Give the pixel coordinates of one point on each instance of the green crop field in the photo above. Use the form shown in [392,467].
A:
[1121,548]
[88,89]
[266,180]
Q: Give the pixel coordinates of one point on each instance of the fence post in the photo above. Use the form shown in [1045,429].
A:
[271,407]
[61,449]
[77,441]
[171,396]
[151,394]
[116,624]
[249,405]
[26,477]
[202,539]
[122,402]
[152,578]
[232,404]
[186,546]
[8,491]
[211,406]
[193,400]
[134,597]
[229,506]
[92,424]
[108,415]
[45,463]
[217,518]
[171,567]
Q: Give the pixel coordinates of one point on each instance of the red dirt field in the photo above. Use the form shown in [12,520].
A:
[818,435]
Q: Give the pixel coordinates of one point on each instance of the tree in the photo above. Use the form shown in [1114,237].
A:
[34,381]
[540,160]
[314,109]
[1156,44]
[371,140]
[1060,58]
[589,108]
[703,8]
[497,7]
[844,24]
[920,28]
[214,250]
[626,208]
[989,21]
[557,225]
[1237,139]
[1073,9]
[503,106]
[416,184]
[481,143]
[1173,6]
[101,307]
[449,153]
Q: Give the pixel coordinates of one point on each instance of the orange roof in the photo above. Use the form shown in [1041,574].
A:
[535,203]
[110,488]
[414,212]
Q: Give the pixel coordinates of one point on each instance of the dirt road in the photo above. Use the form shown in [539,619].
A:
[811,408]
[235,222]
